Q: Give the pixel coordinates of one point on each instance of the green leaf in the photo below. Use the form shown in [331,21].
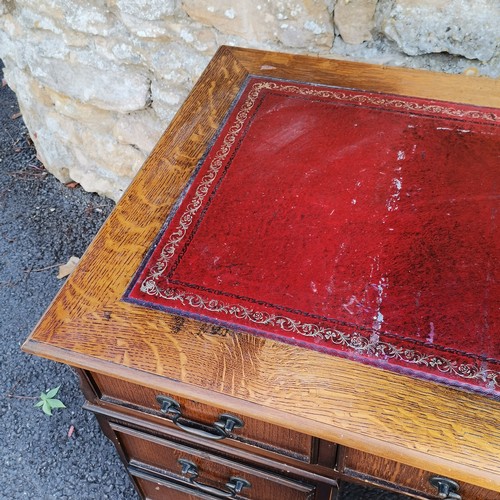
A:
[56,403]
[48,402]
[46,408]
[53,392]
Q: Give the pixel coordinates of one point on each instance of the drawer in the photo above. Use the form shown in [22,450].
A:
[202,472]
[156,487]
[205,421]
[393,475]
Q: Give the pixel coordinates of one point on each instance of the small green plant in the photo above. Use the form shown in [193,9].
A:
[48,401]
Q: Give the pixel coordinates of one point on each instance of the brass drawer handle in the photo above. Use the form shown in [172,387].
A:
[447,488]
[234,485]
[219,430]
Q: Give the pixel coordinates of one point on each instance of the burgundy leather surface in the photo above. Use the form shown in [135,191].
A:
[356,223]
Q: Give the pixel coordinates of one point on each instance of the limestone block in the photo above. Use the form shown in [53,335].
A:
[227,16]
[194,35]
[91,16]
[88,18]
[97,179]
[355,19]
[100,120]
[150,10]
[248,19]
[53,9]
[469,28]
[97,148]
[56,156]
[73,164]
[121,50]
[175,29]
[33,100]
[54,151]
[39,45]
[120,89]
[75,141]
[176,67]
[167,97]
[298,23]
[176,62]
[151,22]
[11,46]
[124,160]
[34,19]
[303,24]
[142,129]
[75,39]
[100,55]
[144,28]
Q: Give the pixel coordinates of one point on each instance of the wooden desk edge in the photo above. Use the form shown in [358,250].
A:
[489,479]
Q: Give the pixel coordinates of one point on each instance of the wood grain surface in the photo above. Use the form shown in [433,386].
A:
[419,423]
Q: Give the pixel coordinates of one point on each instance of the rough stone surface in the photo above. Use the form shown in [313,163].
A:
[99,80]
[141,129]
[296,24]
[117,89]
[469,28]
[355,20]
[147,9]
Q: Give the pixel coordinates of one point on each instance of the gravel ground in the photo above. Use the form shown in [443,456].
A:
[42,224]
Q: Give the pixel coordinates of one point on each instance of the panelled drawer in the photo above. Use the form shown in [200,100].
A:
[155,487]
[203,420]
[203,472]
[387,473]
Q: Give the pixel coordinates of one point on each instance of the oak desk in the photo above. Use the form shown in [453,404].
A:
[298,288]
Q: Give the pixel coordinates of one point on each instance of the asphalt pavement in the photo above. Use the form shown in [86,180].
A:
[42,224]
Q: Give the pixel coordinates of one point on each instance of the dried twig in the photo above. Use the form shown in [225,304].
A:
[12,394]
[15,396]
[29,271]
[8,283]
[39,173]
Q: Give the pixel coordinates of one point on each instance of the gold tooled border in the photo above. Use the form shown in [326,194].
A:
[357,342]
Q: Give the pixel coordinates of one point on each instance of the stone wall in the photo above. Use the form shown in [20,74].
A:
[99,80]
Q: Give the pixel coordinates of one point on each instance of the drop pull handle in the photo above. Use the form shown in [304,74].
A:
[233,486]
[220,429]
[446,488]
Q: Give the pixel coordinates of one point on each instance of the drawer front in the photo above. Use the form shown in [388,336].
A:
[205,421]
[204,473]
[155,487]
[387,473]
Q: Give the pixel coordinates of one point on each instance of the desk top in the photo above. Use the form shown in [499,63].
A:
[355,223]
[416,275]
